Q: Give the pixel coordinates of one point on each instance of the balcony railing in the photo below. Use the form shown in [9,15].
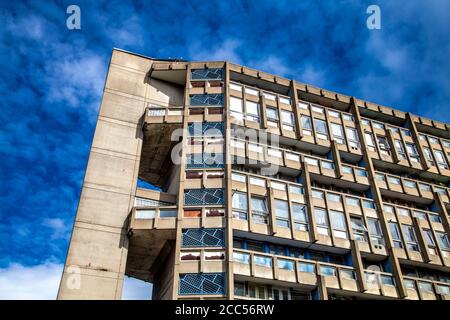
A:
[424,289]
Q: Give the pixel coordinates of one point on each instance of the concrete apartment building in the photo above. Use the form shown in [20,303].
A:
[268,188]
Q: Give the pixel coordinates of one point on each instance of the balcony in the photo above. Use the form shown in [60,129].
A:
[422,289]
[160,137]
[288,162]
[409,189]
[151,233]
[304,274]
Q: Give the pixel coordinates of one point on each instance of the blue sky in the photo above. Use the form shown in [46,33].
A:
[52,80]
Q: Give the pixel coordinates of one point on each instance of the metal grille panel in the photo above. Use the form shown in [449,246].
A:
[205,128]
[204,237]
[203,196]
[202,283]
[200,160]
[207,74]
[206,100]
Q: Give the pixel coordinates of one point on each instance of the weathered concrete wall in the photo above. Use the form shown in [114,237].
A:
[97,254]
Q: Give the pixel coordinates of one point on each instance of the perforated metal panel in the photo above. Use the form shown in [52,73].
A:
[202,283]
[206,100]
[204,237]
[207,74]
[203,196]
[205,128]
[206,160]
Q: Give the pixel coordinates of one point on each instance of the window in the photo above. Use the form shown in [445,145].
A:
[333,114]
[446,143]
[410,235]
[443,240]
[368,204]
[428,155]
[317,194]
[282,213]
[352,201]
[321,129]
[425,187]
[400,150]
[430,241]
[236,87]
[300,217]
[440,159]
[361,172]
[263,261]
[287,119]
[306,125]
[406,132]
[285,264]
[303,105]
[272,117]
[388,209]
[239,204]
[375,231]
[365,122]
[412,151]
[241,257]
[395,233]
[259,210]
[393,180]
[168,213]
[236,108]
[394,130]
[338,224]
[269,96]
[321,221]
[238,177]
[333,197]
[327,165]
[380,177]
[409,184]
[435,218]
[306,267]
[369,140]
[420,215]
[403,212]
[433,140]
[285,100]
[144,214]
[359,229]
[384,144]
[338,133]
[251,91]
[347,117]
[352,136]
[316,109]
[296,189]
[346,169]
[377,125]
[311,161]
[258,182]
[252,109]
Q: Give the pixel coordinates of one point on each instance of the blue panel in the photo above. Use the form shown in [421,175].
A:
[202,283]
[204,237]
[206,160]
[203,196]
[207,74]
[206,100]
[205,128]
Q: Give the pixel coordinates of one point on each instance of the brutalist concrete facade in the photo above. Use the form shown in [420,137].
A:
[264,188]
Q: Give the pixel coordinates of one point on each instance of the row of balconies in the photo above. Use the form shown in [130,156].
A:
[260,153]
[304,272]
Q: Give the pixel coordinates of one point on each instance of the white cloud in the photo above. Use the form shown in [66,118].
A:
[60,229]
[41,282]
[226,51]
